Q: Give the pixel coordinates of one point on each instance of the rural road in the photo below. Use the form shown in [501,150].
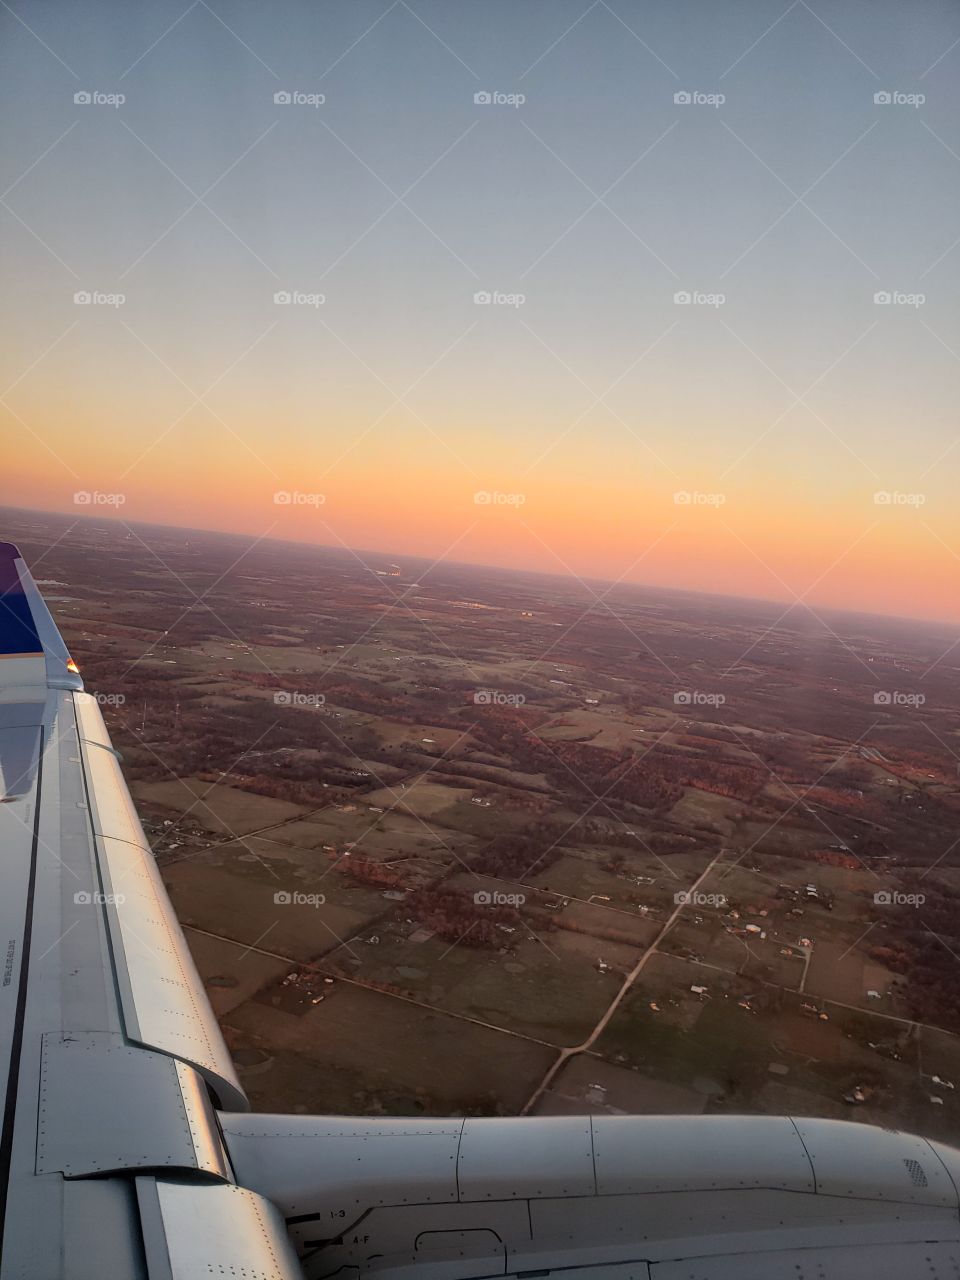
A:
[566,1054]
[337,976]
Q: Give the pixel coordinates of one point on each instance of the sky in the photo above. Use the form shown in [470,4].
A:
[653,292]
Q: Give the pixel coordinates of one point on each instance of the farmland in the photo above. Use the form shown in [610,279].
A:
[451,840]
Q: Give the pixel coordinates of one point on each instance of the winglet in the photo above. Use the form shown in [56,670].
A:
[31,648]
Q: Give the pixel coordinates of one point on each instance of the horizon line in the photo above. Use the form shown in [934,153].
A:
[500,568]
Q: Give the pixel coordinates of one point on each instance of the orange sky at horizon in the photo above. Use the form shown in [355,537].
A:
[597,302]
[887,559]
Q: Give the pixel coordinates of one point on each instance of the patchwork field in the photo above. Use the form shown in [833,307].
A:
[423,855]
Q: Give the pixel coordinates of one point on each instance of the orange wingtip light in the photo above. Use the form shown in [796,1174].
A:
[72,666]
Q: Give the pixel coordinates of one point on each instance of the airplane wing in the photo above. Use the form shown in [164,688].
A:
[111,1158]
[127,1148]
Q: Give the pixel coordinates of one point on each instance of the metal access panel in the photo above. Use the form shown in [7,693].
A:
[929,1261]
[106,1106]
[343,1167]
[881,1165]
[396,1231]
[194,1231]
[503,1159]
[698,1153]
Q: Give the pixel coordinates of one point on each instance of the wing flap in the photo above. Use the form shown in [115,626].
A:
[163,1001]
[140,1110]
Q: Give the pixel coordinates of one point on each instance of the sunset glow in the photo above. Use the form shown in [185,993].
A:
[500,330]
